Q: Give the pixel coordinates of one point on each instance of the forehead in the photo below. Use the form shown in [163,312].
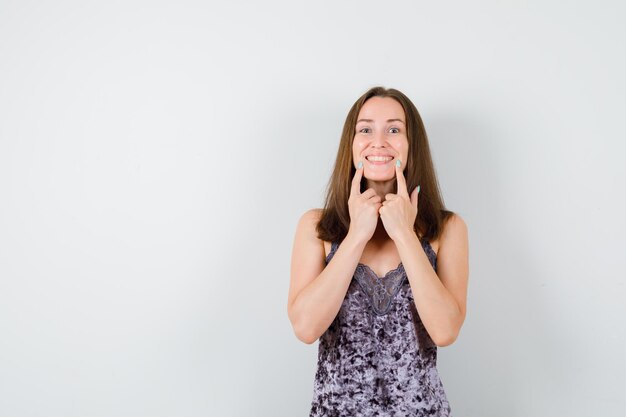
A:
[382,108]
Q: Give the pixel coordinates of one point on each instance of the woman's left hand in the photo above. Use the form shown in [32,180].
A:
[399,210]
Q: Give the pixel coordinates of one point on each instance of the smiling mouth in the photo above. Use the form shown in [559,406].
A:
[379,160]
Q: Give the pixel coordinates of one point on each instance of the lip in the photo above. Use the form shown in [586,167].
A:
[378,154]
[379,163]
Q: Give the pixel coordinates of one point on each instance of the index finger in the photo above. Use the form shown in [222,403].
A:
[400,179]
[355,189]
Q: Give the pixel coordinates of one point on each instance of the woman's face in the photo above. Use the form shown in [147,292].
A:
[380,138]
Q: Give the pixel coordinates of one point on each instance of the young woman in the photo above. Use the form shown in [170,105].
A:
[379,275]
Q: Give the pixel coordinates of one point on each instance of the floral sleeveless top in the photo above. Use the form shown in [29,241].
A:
[376,358]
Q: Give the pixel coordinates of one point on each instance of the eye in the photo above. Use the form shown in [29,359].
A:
[365,130]
[394,130]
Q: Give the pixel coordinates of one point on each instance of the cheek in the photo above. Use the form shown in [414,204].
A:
[405,148]
[357,147]
[402,147]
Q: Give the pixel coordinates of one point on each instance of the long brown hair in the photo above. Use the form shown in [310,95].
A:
[419,169]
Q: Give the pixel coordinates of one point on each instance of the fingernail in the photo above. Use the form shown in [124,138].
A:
[418,188]
[398,163]
[360,165]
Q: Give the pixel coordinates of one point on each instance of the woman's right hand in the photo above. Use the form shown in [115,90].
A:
[363,209]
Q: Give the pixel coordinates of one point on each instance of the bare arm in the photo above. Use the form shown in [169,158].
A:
[440,297]
[316,292]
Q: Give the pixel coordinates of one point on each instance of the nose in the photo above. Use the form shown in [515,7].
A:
[379,140]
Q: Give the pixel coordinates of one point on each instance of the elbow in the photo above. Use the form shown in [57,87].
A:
[448,336]
[304,334]
[444,342]
[306,338]
[445,339]
[303,330]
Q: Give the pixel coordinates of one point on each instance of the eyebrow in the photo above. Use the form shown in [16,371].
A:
[388,121]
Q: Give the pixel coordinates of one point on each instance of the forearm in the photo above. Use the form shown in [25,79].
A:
[317,305]
[436,306]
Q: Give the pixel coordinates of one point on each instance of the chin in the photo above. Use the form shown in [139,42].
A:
[379,176]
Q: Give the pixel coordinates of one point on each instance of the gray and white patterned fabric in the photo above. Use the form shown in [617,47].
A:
[376,358]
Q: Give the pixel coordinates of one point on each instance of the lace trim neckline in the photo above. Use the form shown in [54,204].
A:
[429,249]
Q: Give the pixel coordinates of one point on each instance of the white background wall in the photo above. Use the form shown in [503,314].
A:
[155,158]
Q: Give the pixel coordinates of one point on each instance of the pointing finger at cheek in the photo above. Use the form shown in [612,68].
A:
[355,188]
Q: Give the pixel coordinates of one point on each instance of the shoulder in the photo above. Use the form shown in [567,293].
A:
[310,219]
[454,225]
[307,229]
[308,248]
[454,233]
[313,214]
[453,261]
[307,224]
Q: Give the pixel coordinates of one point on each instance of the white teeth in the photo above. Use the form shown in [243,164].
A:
[379,158]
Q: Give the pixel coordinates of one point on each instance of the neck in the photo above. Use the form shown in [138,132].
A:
[380,234]
[382,188]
